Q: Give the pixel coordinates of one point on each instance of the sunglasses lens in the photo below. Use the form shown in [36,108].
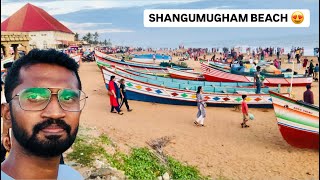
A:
[71,99]
[34,98]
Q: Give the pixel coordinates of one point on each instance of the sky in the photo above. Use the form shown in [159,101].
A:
[122,22]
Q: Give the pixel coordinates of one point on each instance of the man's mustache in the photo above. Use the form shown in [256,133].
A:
[59,122]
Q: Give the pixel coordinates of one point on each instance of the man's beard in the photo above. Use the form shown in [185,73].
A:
[52,146]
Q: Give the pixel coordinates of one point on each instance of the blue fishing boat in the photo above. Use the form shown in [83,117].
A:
[143,91]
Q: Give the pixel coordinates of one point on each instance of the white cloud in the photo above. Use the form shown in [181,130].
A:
[221,7]
[64,7]
[102,31]
[75,26]
[83,28]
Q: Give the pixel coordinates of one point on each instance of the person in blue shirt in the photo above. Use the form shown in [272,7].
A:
[316,72]
[44,104]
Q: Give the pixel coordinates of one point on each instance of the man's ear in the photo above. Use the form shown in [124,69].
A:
[6,116]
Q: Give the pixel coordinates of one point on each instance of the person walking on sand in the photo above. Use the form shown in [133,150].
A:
[113,97]
[316,72]
[298,65]
[305,62]
[257,80]
[201,108]
[311,67]
[124,95]
[154,58]
[245,111]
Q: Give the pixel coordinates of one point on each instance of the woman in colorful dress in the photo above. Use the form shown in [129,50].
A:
[201,108]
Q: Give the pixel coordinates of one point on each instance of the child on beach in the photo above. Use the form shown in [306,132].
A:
[245,112]
[306,72]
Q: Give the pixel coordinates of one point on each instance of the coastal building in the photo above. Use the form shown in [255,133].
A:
[43,29]
[15,41]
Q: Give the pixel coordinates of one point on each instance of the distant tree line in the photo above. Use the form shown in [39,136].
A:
[93,38]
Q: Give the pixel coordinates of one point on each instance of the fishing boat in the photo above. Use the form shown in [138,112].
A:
[237,70]
[230,88]
[298,121]
[140,66]
[216,74]
[190,82]
[142,91]
[161,73]
[175,73]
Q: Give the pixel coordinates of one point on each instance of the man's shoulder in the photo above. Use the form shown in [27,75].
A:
[307,92]
[5,176]
[66,172]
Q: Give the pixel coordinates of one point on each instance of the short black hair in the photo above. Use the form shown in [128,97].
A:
[7,65]
[199,89]
[112,77]
[244,96]
[308,86]
[36,56]
[258,67]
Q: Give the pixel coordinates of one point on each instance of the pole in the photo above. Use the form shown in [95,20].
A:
[291,78]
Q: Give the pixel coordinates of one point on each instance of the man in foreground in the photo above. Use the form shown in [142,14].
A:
[44,96]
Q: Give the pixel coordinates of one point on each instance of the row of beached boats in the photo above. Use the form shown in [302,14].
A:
[298,122]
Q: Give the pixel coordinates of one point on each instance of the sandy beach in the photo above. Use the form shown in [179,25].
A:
[220,148]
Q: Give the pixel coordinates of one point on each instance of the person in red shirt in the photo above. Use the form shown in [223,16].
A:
[245,111]
[305,62]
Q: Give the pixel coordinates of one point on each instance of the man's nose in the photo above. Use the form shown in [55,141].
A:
[53,109]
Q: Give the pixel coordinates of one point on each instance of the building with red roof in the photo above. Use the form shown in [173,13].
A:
[44,30]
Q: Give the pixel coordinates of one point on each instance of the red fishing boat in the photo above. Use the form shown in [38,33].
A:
[298,121]
[215,74]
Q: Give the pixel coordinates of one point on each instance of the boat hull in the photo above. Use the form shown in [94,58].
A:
[142,91]
[140,66]
[298,122]
[298,138]
[176,74]
[216,75]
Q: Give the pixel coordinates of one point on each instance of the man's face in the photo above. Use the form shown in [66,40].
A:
[49,132]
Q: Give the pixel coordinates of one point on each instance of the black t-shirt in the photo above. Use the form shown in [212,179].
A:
[123,90]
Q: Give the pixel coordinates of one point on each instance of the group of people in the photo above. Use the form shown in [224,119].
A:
[311,70]
[201,114]
[115,93]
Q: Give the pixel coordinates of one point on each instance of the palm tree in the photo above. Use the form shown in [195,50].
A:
[89,37]
[96,37]
[85,38]
[76,37]
[109,43]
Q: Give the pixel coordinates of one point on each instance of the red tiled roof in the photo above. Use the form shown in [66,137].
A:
[31,18]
